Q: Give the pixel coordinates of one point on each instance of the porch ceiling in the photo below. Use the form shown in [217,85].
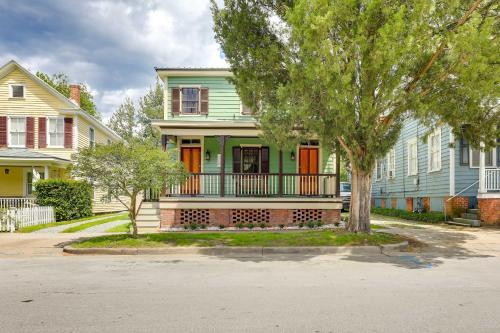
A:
[235,128]
[26,157]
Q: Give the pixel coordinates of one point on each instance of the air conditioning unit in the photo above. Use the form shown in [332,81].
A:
[391,174]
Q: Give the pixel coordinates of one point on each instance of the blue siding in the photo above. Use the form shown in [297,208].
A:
[465,176]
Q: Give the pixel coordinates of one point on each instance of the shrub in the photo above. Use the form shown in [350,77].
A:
[221,226]
[186,227]
[433,217]
[301,224]
[239,225]
[203,226]
[319,224]
[250,226]
[281,226]
[193,226]
[311,224]
[71,199]
[262,225]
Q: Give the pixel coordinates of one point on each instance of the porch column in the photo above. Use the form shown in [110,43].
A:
[280,175]
[222,149]
[46,172]
[482,168]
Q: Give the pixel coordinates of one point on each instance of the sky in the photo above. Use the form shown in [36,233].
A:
[110,45]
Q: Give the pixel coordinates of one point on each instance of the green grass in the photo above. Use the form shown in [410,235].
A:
[84,226]
[56,224]
[260,239]
[120,228]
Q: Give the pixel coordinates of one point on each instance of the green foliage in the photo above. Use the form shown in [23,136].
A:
[221,226]
[239,225]
[319,224]
[433,217]
[60,82]
[311,224]
[71,199]
[281,226]
[262,225]
[301,225]
[125,169]
[193,226]
[203,226]
[250,226]
[124,120]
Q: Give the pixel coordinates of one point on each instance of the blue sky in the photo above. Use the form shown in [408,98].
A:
[110,45]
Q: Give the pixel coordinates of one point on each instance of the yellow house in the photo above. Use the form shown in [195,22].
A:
[39,131]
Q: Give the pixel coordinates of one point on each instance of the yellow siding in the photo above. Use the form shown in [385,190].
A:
[99,206]
[11,185]
[83,134]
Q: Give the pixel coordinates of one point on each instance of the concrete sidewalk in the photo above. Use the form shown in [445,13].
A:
[60,228]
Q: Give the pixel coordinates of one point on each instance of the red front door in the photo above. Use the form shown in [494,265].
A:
[308,169]
[191,157]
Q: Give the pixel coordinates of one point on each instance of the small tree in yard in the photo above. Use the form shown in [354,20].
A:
[125,169]
[351,71]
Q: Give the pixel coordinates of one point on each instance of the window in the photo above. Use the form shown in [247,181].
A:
[17,130]
[391,164]
[56,132]
[16,91]
[379,169]
[190,100]
[250,160]
[345,187]
[434,151]
[412,157]
[488,158]
[29,181]
[91,137]
[464,151]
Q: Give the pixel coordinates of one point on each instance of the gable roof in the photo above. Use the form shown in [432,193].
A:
[72,108]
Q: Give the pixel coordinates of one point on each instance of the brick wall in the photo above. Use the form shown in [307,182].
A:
[382,202]
[489,210]
[409,204]
[426,202]
[394,203]
[456,206]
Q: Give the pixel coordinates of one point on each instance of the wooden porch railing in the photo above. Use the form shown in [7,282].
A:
[16,202]
[492,179]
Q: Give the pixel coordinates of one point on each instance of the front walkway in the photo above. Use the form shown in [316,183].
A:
[60,228]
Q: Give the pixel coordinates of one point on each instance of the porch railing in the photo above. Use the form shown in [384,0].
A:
[17,202]
[492,179]
[256,185]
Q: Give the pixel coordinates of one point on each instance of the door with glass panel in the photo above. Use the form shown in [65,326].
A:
[191,157]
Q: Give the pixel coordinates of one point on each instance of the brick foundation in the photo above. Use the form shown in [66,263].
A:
[382,202]
[409,204]
[394,203]
[456,206]
[489,210]
[231,217]
[426,202]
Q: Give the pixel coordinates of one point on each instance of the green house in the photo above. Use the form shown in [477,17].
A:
[236,177]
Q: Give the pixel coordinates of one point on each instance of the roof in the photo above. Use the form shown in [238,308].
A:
[24,154]
[226,69]
[72,107]
[193,71]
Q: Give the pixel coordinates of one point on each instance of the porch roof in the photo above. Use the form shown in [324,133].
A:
[208,127]
[16,156]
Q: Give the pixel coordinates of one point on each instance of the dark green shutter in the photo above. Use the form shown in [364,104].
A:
[236,159]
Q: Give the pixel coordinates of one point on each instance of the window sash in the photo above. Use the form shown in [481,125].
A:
[391,163]
[190,100]
[17,131]
[56,132]
[17,91]
[435,151]
[412,158]
[91,137]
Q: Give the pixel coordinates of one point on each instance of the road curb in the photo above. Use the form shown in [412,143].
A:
[239,251]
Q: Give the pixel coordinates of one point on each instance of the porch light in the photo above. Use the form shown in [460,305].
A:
[6,171]
[207,155]
[292,155]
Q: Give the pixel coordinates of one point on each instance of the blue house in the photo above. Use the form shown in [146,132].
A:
[442,174]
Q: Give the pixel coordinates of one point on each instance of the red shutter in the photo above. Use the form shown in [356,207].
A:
[68,132]
[30,132]
[3,131]
[204,101]
[42,132]
[176,103]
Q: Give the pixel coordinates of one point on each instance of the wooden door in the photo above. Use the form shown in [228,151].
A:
[191,157]
[308,169]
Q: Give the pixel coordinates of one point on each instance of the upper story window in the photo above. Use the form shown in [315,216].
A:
[91,137]
[434,151]
[17,132]
[17,91]
[379,169]
[391,164]
[56,132]
[412,157]
[190,100]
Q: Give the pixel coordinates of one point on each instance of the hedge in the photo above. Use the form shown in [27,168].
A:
[71,199]
[423,217]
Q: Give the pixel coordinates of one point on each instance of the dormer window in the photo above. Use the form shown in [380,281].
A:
[17,91]
[190,100]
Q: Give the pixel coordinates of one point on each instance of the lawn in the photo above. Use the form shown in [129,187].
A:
[56,224]
[120,228]
[84,226]
[255,238]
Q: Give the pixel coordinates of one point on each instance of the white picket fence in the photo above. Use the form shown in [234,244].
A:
[17,202]
[15,218]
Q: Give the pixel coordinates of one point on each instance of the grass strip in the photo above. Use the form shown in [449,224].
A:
[120,228]
[255,238]
[57,224]
[84,226]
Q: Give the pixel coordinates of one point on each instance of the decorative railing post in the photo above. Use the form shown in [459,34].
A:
[482,168]
[222,149]
[280,175]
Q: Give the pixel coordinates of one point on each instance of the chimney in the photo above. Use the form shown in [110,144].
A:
[74,93]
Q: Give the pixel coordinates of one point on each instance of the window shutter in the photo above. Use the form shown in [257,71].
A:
[30,132]
[204,101]
[42,132]
[3,131]
[68,132]
[176,103]
[264,160]
[464,152]
[236,159]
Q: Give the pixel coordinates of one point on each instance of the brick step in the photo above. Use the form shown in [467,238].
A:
[473,211]
[465,222]
[469,216]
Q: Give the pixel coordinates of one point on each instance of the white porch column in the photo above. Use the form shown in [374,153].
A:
[46,172]
[482,168]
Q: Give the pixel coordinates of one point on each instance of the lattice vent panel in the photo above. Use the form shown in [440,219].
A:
[199,216]
[306,215]
[250,215]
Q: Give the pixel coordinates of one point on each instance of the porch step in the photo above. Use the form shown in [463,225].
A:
[465,222]
[149,211]
[148,219]
[473,211]
[469,216]
[147,224]
[152,217]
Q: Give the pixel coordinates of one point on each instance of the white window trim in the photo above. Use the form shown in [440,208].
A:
[90,141]
[393,166]
[199,100]
[436,132]
[494,157]
[48,133]
[412,141]
[376,171]
[9,126]
[11,92]
[241,111]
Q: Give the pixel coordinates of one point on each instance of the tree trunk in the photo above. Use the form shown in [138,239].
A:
[132,214]
[359,211]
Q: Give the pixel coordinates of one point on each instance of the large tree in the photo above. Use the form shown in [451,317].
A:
[125,169]
[124,120]
[60,82]
[351,71]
